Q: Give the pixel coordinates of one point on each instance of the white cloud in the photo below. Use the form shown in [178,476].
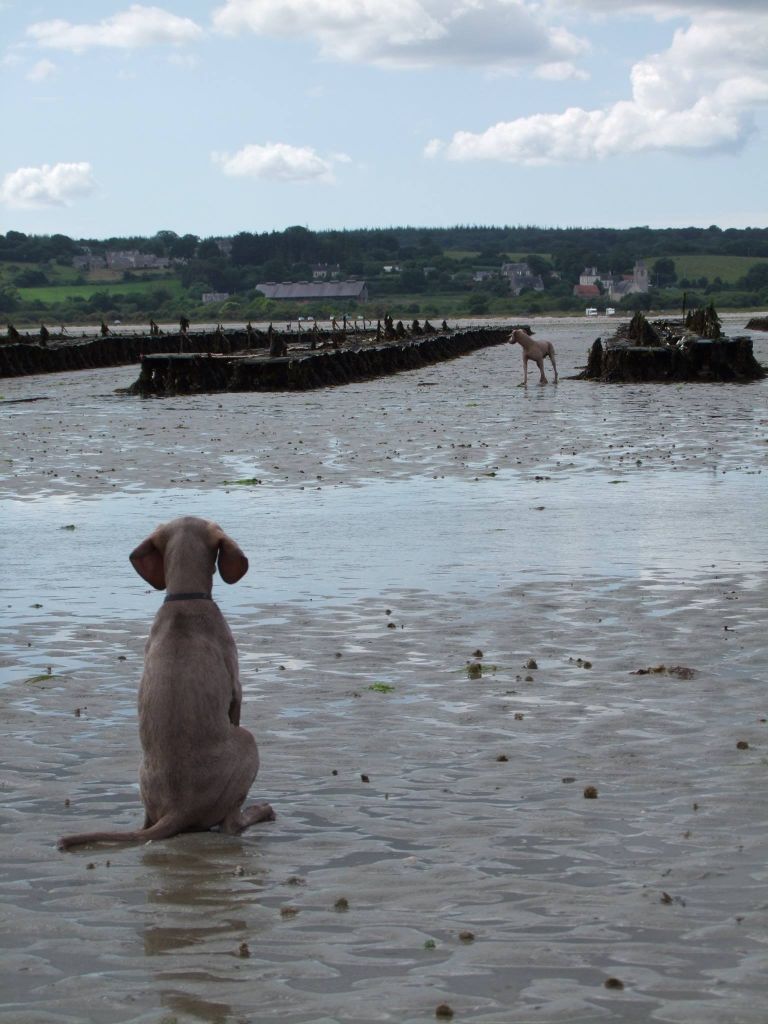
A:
[433,148]
[49,185]
[661,8]
[698,96]
[277,161]
[411,33]
[560,71]
[138,26]
[41,70]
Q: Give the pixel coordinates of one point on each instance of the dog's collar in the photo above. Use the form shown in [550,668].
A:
[188,597]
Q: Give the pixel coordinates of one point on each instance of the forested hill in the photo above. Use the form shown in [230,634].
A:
[434,272]
[568,248]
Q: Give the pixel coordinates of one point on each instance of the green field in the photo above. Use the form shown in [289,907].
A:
[51,294]
[509,257]
[728,268]
[459,254]
[56,274]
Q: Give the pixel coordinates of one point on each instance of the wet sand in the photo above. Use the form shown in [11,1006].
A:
[395,528]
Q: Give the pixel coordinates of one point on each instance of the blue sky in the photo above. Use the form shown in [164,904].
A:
[229,115]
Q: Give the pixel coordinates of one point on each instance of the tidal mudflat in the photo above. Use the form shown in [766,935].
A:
[457,587]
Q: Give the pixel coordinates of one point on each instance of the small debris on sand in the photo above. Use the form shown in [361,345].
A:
[341,905]
[614,983]
[243,950]
[590,793]
[666,899]
[681,671]
[742,745]
[443,1011]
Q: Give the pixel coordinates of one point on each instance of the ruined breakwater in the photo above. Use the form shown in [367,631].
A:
[19,359]
[668,350]
[172,373]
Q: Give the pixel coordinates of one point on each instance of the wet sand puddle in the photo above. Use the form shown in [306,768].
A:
[434,843]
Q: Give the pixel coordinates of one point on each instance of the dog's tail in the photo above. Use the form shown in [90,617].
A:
[169,825]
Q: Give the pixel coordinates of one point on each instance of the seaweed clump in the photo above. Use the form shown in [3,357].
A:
[641,332]
[704,322]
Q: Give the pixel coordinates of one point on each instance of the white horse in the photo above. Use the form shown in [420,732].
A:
[535,350]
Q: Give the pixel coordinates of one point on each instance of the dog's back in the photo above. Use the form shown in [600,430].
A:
[531,347]
[190,677]
[187,696]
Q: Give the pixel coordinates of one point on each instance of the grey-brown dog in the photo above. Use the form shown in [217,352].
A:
[535,350]
[199,763]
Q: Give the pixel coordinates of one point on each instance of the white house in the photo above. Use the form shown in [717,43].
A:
[324,271]
[616,286]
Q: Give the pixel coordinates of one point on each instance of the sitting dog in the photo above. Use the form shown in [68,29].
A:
[535,350]
[198,763]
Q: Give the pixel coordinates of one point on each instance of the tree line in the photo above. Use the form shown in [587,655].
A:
[435,267]
[569,248]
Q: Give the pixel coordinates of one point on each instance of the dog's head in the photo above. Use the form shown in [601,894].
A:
[519,334]
[192,538]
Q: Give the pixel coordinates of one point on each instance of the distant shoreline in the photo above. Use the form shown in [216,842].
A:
[141,326]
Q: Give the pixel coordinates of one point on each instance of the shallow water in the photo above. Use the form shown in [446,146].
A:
[623,529]
[446,536]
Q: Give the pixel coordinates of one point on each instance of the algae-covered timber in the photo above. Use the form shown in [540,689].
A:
[689,349]
[304,369]
[57,353]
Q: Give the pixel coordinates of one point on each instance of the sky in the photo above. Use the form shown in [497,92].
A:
[255,115]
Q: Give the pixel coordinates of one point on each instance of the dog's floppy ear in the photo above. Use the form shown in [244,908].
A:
[233,564]
[147,560]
